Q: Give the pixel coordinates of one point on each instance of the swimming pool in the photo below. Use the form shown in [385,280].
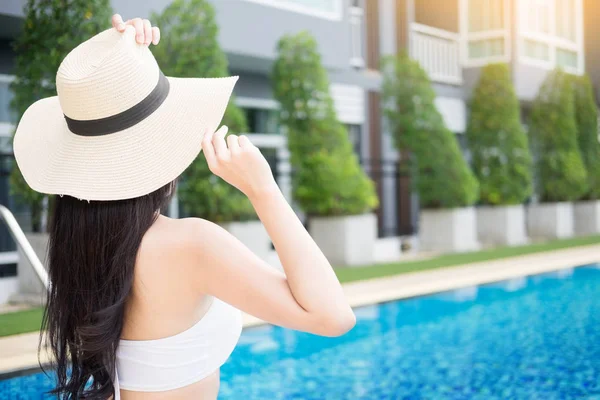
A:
[527,338]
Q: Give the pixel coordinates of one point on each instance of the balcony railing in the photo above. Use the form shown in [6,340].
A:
[438,52]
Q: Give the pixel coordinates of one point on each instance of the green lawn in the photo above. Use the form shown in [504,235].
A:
[21,321]
[380,270]
[30,320]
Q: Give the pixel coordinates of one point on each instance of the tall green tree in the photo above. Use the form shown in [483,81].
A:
[443,179]
[586,113]
[559,168]
[188,49]
[501,159]
[51,29]
[328,179]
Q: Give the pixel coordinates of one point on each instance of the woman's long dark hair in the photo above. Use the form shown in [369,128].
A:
[91,253]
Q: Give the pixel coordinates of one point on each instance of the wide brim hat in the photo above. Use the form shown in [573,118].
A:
[118,128]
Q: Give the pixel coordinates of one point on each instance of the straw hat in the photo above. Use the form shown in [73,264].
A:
[118,128]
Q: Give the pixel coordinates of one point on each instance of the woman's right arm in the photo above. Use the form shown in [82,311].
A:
[308,296]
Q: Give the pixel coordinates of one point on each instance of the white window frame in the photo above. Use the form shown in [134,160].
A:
[258,104]
[289,5]
[255,102]
[552,40]
[467,37]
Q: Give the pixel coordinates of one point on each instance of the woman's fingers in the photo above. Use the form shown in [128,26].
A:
[147,32]
[244,142]
[155,35]
[209,150]
[233,144]
[117,22]
[218,141]
[138,24]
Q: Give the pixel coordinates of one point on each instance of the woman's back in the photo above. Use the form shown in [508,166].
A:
[163,301]
[166,312]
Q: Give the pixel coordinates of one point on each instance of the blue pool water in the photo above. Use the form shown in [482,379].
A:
[528,338]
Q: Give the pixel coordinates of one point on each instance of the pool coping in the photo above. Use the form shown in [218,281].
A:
[363,293]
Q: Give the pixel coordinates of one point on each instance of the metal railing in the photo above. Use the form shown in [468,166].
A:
[19,236]
[398,207]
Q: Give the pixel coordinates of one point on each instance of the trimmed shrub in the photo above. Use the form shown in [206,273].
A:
[189,48]
[586,114]
[51,29]
[443,179]
[499,146]
[328,179]
[559,169]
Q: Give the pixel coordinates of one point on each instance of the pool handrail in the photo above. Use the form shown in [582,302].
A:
[19,236]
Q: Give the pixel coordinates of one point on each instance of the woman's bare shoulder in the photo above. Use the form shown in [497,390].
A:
[180,244]
[182,234]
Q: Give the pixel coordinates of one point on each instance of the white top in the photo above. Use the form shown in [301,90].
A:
[180,360]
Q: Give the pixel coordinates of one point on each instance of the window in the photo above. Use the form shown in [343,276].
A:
[262,120]
[330,9]
[6,95]
[322,5]
[566,58]
[8,270]
[354,134]
[551,33]
[487,48]
[537,50]
[538,16]
[485,25]
[566,18]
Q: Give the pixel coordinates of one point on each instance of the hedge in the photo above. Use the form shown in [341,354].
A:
[443,179]
[586,114]
[560,172]
[501,159]
[327,179]
[189,48]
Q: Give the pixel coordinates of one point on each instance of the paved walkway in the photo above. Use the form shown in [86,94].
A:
[20,351]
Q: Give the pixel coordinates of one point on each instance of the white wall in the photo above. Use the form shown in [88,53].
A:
[8,287]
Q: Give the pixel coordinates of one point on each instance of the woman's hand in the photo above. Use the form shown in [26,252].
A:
[237,161]
[145,33]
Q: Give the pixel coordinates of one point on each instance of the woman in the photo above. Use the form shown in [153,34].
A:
[142,306]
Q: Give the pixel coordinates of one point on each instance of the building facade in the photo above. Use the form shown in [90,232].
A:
[452,39]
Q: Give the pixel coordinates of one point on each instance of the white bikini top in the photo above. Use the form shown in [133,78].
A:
[180,360]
